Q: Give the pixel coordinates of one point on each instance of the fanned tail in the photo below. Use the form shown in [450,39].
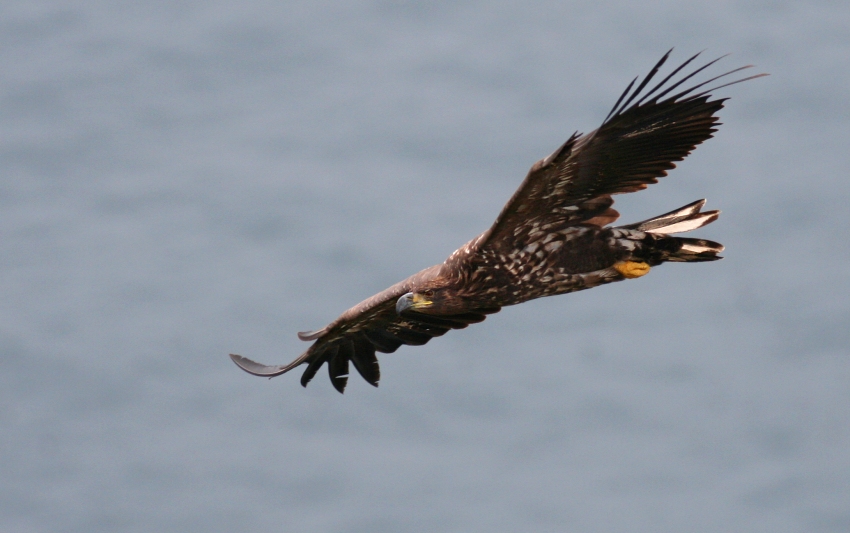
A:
[694,250]
[684,219]
[663,247]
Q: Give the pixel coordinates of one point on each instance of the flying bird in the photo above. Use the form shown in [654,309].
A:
[554,235]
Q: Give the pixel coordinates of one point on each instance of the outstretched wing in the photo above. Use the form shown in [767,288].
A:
[369,327]
[638,142]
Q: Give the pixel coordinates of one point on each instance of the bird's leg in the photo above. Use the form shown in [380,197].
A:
[631,269]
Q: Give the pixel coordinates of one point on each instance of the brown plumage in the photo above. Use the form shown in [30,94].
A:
[552,237]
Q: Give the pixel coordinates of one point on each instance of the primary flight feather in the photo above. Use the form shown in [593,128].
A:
[552,237]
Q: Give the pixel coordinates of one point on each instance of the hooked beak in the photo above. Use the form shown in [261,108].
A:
[411,302]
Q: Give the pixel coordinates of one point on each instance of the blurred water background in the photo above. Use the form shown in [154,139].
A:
[182,180]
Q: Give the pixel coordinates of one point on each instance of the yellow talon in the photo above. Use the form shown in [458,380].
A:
[631,269]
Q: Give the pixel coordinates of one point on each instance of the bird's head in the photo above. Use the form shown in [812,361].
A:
[432,300]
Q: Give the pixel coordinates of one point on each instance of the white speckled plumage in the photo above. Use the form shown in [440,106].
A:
[552,237]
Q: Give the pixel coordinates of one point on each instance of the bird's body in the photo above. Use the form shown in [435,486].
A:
[551,238]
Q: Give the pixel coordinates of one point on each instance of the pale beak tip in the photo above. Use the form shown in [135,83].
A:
[404,303]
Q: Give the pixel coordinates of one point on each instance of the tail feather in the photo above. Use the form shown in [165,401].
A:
[684,219]
[660,246]
[694,250]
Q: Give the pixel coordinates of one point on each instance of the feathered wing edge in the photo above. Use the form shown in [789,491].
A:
[630,95]
[358,334]
[266,371]
[648,129]
[360,347]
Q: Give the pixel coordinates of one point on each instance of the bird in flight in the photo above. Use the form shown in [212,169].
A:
[554,235]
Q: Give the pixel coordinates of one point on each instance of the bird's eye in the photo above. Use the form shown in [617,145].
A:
[428,293]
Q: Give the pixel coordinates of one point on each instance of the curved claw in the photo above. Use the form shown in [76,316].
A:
[266,371]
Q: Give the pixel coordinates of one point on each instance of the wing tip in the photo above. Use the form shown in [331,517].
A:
[340,382]
[311,335]
[267,371]
[627,101]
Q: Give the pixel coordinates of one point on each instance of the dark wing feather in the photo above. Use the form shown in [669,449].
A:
[639,141]
[371,326]
[636,144]
[337,368]
[365,361]
[313,366]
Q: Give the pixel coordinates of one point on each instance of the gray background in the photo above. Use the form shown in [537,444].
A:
[184,180]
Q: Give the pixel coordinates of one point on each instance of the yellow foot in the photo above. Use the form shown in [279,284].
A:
[631,269]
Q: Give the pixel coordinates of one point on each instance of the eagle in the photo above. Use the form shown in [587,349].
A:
[554,235]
